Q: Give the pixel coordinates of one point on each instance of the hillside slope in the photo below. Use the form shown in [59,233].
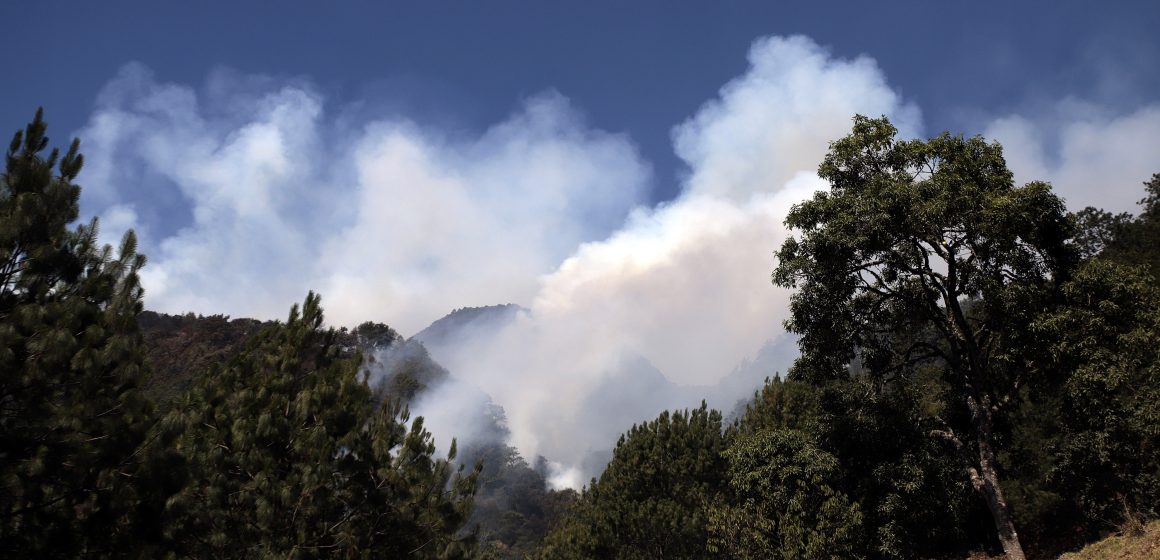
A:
[1144,546]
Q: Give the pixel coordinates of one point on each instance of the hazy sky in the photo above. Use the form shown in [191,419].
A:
[620,168]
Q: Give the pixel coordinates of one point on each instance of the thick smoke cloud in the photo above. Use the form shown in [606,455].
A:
[249,191]
[1092,155]
[246,196]
[683,288]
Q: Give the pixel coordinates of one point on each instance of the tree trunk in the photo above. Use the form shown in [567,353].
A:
[986,481]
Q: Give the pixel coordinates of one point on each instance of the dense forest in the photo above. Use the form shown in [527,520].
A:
[978,373]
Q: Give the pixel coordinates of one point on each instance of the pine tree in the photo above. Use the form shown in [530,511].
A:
[72,420]
[652,501]
[290,456]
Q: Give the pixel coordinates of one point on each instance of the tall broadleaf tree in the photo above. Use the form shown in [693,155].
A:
[72,419]
[925,253]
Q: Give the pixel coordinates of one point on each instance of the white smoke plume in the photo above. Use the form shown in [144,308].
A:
[1091,155]
[683,287]
[250,191]
[388,219]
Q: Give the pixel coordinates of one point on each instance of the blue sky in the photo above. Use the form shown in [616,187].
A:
[639,67]
[620,169]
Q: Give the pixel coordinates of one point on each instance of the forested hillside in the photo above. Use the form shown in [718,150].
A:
[279,448]
[179,348]
[513,505]
[978,373]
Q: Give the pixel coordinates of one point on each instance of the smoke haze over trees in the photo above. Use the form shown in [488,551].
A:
[947,361]
[398,220]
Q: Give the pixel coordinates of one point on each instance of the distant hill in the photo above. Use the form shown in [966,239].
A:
[635,376]
[513,506]
[630,391]
[465,321]
[179,348]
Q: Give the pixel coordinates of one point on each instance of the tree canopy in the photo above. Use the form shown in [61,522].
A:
[72,418]
[283,450]
[652,501]
[926,253]
[289,455]
[973,359]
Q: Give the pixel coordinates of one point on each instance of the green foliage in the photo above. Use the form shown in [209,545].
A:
[1084,439]
[914,502]
[781,404]
[1106,335]
[513,506]
[867,263]
[1135,241]
[180,348]
[405,371]
[1097,230]
[653,499]
[937,299]
[925,256]
[289,456]
[370,335]
[783,503]
[72,419]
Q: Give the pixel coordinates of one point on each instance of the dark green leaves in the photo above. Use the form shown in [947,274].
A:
[289,454]
[652,500]
[73,422]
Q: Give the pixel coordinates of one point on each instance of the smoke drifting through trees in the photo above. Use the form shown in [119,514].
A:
[398,222]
